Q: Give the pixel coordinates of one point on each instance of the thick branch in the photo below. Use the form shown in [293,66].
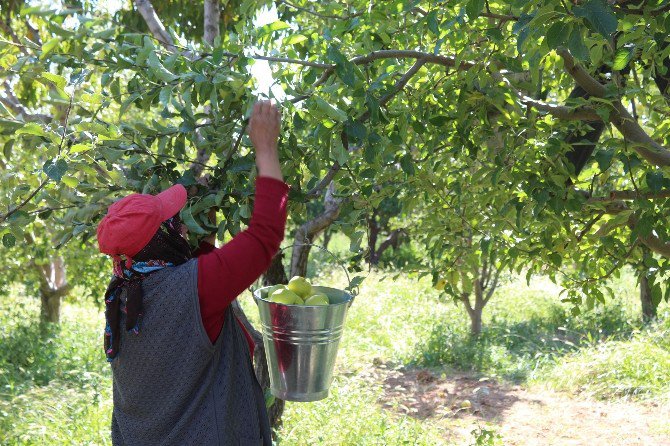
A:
[323,16]
[392,240]
[643,11]
[643,144]
[146,9]
[399,54]
[630,195]
[325,181]
[657,245]
[12,103]
[212,17]
[305,233]
[559,111]
[492,287]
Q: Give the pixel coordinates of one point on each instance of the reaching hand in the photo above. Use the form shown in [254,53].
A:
[264,127]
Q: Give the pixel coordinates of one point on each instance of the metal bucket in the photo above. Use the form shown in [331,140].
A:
[301,344]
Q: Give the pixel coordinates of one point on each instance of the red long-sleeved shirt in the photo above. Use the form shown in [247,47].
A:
[225,272]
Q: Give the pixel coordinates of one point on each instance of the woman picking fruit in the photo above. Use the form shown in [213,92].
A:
[181,361]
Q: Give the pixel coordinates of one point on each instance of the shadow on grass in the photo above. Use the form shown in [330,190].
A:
[424,393]
[512,350]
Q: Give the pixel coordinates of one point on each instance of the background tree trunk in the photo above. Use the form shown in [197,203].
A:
[373,235]
[648,309]
[276,273]
[53,287]
[475,322]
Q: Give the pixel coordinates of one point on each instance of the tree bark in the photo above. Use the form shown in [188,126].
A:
[276,274]
[648,309]
[306,233]
[212,15]
[327,234]
[146,9]
[476,322]
[392,241]
[373,235]
[53,287]
[50,307]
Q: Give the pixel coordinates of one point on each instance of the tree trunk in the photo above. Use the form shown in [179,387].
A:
[648,309]
[50,307]
[373,235]
[327,234]
[276,273]
[53,287]
[392,241]
[476,313]
[475,322]
[301,250]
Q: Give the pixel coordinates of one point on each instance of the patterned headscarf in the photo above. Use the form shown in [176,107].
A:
[166,248]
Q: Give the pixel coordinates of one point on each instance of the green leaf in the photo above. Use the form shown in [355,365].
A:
[604,158]
[277,25]
[294,38]
[8,240]
[55,170]
[654,180]
[656,295]
[7,149]
[576,44]
[474,8]
[58,81]
[344,69]
[355,131]
[76,148]
[407,164]
[32,128]
[49,46]
[433,26]
[19,218]
[557,34]
[339,152]
[70,181]
[158,70]
[190,222]
[622,57]
[331,111]
[599,14]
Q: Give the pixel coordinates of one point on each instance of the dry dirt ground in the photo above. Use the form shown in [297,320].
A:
[521,416]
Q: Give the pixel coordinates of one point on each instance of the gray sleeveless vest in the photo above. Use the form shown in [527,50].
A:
[172,386]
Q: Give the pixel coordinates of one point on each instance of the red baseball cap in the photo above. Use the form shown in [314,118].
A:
[132,221]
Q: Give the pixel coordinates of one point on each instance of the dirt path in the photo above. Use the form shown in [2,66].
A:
[534,417]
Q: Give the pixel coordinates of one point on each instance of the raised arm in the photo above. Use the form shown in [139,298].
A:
[225,272]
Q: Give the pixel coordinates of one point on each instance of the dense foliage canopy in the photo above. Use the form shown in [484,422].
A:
[535,131]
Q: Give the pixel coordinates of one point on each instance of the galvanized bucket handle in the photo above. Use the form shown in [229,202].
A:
[337,260]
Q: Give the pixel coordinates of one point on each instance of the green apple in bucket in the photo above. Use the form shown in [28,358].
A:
[285,296]
[300,286]
[317,299]
[268,292]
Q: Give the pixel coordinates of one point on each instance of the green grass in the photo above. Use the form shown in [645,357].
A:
[635,368]
[52,389]
[57,390]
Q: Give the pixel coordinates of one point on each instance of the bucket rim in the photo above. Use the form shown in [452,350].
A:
[349,296]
